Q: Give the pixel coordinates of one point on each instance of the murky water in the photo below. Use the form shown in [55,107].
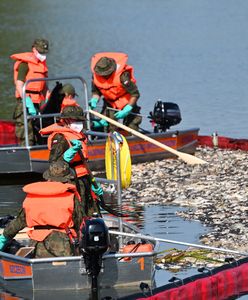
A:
[191,52]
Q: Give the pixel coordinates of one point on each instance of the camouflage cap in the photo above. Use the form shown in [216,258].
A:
[68,89]
[59,171]
[73,112]
[41,45]
[105,66]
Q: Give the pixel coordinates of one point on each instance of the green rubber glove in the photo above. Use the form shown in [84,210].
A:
[98,191]
[124,112]
[93,103]
[72,151]
[30,106]
[3,241]
[100,124]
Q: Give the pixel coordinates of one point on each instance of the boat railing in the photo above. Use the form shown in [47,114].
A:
[82,102]
[85,105]
[118,168]
[72,258]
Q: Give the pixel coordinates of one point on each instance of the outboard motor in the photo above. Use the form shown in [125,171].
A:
[94,242]
[165,115]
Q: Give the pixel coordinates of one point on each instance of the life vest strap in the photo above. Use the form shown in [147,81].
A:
[75,164]
[33,92]
[42,227]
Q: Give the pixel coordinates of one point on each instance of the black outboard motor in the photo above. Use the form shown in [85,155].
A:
[94,242]
[165,115]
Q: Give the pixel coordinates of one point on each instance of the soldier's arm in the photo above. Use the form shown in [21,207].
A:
[130,87]
[21,77]
[15,225]
[94,90]
[78,214]
[58,147]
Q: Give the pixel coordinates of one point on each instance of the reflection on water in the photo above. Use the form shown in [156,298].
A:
[106,294]
[193,57]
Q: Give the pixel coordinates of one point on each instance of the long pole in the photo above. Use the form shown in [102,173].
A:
[151,238]
[190,159]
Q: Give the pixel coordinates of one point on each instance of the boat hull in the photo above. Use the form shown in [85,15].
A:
[35,159]
[69,273]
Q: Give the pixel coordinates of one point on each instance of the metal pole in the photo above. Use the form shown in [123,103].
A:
[150,238]
[51,79]
[118,170]
[25,120]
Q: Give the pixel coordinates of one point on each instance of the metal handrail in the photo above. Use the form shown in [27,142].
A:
[40,116]
[26,117]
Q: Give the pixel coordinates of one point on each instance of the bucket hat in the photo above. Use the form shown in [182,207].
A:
[68,89]
[59,171]
[105,66]
[73,112]
[41,45]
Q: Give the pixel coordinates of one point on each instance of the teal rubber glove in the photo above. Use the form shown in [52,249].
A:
[98,191]
[3,241]
[76,144]
[72,151]
[93,103]
[104,123]
[100,124]
[30,106]
[124,112]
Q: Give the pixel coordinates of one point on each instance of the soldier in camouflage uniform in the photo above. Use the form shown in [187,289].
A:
[30,65]
[57,243]
[67,142]
[105,69]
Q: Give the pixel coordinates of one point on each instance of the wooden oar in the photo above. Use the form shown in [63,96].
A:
[189,159]
[151,238]
[22,234]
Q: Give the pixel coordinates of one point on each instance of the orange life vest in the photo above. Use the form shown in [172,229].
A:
[69,134]
[136,248]
[111,88]
[36,69]
[68,102]
[49,204]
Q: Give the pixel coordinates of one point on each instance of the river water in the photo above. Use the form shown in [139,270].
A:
[191,52]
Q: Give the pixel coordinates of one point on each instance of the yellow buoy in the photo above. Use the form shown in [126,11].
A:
[125,161]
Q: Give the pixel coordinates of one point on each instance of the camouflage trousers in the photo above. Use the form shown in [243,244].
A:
[90,205]
[131,121]
[19,125]
[55,244]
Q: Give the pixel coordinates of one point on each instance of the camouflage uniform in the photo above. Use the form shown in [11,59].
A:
[59,146]
[18,116]
[19,125]
[131,121]
[56,243]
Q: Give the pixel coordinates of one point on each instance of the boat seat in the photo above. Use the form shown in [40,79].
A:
[25,251]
